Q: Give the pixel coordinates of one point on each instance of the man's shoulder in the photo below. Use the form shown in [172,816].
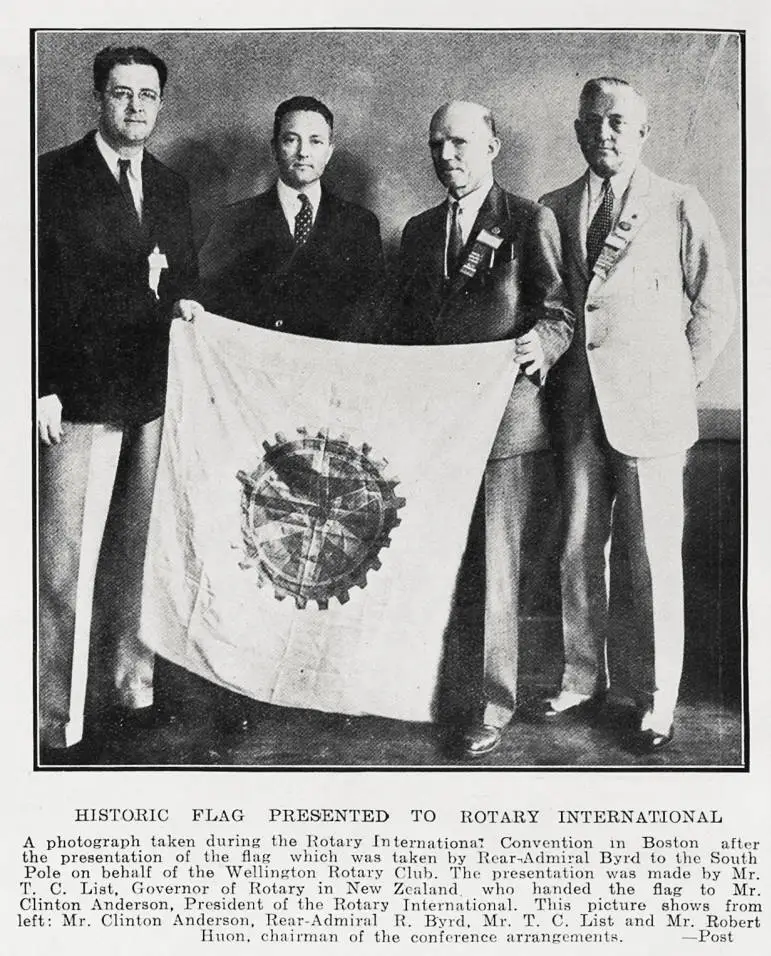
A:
[163,173]
[517,206]
[66,158]
[557,197]
[425,219]
[346,209]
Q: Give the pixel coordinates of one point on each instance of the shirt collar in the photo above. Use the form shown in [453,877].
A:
[111,158]
[471,203]
[619,184]
[288,196]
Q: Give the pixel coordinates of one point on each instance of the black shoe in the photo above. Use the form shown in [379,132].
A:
[480,739]
[235,720]
[80,754]
[127,720]
[652,741]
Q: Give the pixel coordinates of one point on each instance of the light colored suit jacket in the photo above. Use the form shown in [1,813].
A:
[650,326]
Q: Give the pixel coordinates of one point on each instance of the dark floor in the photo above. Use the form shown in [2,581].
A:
[709,728]
[708,731]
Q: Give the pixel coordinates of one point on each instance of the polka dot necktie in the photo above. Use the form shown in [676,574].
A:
[303,220]
[600,226]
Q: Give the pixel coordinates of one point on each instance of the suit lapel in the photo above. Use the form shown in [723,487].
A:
[492,216]
[103,194]
[631,218]
[576,194]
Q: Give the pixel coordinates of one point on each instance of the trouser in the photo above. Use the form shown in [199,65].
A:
[507,493]
[627,629]
[76,480]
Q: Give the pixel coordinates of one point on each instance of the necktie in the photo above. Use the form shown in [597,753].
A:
[303,220]
[125,188]
[455,240]
[600,225]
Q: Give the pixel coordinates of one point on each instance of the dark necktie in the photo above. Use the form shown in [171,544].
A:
[303,220]
[600,225]
[125,188]
[455,241]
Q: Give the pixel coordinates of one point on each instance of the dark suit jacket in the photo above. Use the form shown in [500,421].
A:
[521,290]
[253,272]
[103,336]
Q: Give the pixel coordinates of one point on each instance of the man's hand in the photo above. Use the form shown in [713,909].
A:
[49,419]
[529,354]
[186,309]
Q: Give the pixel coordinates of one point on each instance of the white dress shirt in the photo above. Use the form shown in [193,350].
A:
[291,205]
[468,210]
[134,171]
[593,197]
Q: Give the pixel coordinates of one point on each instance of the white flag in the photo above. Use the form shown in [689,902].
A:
[311,510]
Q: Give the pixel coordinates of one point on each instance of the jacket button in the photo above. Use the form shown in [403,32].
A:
[279,323]
[591,307]
[591,345]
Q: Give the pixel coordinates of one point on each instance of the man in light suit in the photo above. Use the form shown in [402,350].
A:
[654,305]
[481,266]
[296,258]
[115,262]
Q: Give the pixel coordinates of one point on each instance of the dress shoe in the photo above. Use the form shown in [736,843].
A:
[79,754]
[480,739]
[652,741]
[581,710]
[234,721]
[127,720]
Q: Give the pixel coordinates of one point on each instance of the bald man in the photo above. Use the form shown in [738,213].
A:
[654,305]
[485,265]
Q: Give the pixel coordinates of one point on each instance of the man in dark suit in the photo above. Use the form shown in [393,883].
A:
[115,262]
[296,258]
[485,265]
[654,305]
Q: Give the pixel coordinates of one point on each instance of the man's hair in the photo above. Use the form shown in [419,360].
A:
[489,120]
[301,104]
[598,84]
[112,56]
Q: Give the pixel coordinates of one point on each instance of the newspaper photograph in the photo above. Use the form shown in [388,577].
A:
[385,565]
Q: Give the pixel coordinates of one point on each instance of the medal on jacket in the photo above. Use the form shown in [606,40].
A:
[485,240]
[157,262]
[616,245]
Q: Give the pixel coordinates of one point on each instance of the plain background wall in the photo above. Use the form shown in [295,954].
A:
[383,87]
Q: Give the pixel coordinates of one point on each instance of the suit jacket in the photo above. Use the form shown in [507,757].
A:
[518,289]
[102,334]
[253,271]
[649,332]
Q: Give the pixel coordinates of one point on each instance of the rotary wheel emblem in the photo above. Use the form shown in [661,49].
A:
[315,514]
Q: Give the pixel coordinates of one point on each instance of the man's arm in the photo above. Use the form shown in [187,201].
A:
[707,283]
[545,296]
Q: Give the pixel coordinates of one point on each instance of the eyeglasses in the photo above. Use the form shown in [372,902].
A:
[122,94]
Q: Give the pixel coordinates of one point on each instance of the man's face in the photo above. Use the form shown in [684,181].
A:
[129,105]
[462,147]
[611,129]
[302,148]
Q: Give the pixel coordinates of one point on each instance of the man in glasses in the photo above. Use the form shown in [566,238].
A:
[115,263]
